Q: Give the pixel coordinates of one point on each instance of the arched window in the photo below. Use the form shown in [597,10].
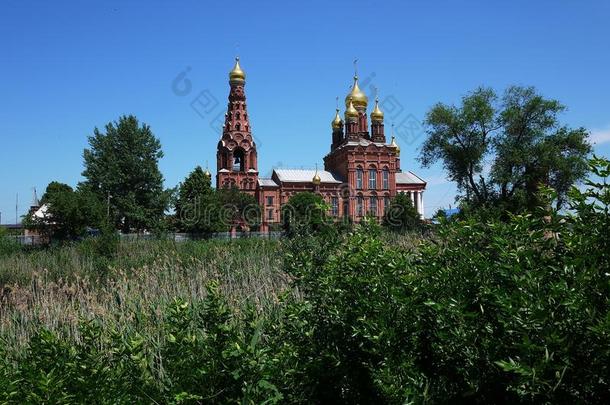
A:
[359,178]
[237,126]
[372,178]
[386,203]
[360,206]
[237,115]
[238,161]
[334,206]
[373,205]
[386,178]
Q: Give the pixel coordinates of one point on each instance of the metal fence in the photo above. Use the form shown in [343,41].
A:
[176,237]
[32,240]
[182,237]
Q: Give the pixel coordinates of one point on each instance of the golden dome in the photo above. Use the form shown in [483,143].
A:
[394,145]
[351,112]
[337,122]
[207,173]
[237,75]
[377,114]
[316,179]
[358,97]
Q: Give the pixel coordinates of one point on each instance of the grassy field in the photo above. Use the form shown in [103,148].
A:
[472,311]
[57,287]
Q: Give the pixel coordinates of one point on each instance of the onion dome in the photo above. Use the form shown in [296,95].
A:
[237,75]
[351,112]
[358,97]
[316,179]
[394,145]
[377,114]
[337,122]
[207,173]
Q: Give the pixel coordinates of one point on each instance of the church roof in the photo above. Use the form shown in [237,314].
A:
[267,182]
[408,178]
[305,176]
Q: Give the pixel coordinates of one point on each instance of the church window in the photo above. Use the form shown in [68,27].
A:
[237,126]
[359,176]
[386,179]
[270,214]
[269,200]
[373,205]
[386,204]
[335,206]
[372,179]
[360,205]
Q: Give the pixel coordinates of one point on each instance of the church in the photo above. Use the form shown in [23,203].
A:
[361,173]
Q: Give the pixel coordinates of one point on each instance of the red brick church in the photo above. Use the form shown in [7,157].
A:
[361,171]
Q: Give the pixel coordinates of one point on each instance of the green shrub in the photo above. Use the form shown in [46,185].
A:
[8,245]
[511,311]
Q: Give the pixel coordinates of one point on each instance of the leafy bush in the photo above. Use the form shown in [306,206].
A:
[483,312]
[402,216]
[7,245]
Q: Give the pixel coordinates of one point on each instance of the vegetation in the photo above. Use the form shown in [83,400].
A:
[195,201]
[7,245]
[402,216]
[500,151]
[69,213]
[121,167]
[305,213]
[480,312]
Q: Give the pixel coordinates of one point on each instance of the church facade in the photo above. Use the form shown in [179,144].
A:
[362,171]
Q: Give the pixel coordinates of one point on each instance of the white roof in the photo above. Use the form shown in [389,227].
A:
[41,212]
[267,182]
[408,178]
[305,176]
[364,142]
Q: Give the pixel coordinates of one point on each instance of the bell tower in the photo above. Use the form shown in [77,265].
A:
[236,159]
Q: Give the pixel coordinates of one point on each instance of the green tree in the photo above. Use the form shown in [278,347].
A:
[195,198]
[305,212]
[402,215]
[500,151]
[68,212]
[121,166]
[237,207]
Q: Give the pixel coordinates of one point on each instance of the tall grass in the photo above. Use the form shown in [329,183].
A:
[56,288]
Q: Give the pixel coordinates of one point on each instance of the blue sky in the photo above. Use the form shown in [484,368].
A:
[67,67]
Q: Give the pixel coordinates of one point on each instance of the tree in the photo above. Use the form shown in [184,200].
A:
[68,212]
[121,167]
[402,215]
[499,152]
[237,207]
[194,203]
[305,211]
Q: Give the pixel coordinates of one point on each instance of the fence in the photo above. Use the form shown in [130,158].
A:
[30,240]
[176,237]
[182,237]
